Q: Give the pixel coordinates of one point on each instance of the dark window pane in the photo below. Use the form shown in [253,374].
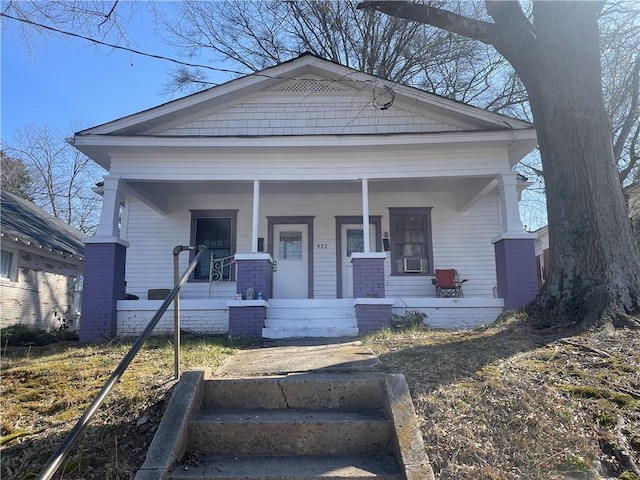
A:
[5,269]
[215,234]
[410,241]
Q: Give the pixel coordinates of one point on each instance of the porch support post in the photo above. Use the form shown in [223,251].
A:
[365,215]
[509,202]
[110,214]
[104,269]
[514,250]
[256,210]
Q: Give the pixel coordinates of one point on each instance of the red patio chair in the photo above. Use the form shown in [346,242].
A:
[447,284]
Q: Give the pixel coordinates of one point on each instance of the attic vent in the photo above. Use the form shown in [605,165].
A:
[309,86]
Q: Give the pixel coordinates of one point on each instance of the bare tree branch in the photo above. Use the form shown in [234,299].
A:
[632,116]
[108,15]
[453,22]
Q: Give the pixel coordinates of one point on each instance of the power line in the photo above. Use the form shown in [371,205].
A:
[119,47]
[162,57]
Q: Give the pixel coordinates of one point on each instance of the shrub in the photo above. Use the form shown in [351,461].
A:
[21,335]
[410,319]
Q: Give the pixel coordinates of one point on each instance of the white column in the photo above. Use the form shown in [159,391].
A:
[256,209]
[110,214]
[365,215]
[511,222]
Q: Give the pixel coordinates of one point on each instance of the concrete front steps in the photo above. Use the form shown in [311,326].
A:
[295,427]
[310,318]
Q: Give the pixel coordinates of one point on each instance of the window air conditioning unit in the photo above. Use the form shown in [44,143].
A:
[413,265]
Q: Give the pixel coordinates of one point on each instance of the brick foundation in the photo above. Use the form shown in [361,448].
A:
[104,285]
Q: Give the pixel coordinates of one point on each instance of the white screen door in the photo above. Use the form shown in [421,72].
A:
[291,277]
[352,239]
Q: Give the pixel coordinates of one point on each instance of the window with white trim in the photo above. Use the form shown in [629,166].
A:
[411,241]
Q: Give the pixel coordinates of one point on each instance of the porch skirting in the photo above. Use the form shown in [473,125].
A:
[200,316]
[452,312]
[241,317]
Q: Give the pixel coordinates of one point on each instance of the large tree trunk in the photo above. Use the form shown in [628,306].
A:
[595,267]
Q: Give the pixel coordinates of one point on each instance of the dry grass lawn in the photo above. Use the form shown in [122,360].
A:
[509,402]
[500,402]
[46,389]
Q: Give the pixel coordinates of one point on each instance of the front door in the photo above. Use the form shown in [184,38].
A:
[291,275]
[352,239]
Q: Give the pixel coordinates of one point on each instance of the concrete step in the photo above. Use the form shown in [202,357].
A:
[317,391]
[353,467]
[300,303]
[324,320]
[297,313]
[308,427]
[290,432]
[300,331]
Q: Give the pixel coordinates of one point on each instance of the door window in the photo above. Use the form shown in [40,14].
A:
[290,246]
[355,241]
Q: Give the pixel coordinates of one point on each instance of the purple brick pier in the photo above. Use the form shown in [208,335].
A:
[253,271]
[104,285]
[516,271]
[247,320]
[368,283]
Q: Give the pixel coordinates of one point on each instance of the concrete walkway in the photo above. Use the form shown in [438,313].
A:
[280,357]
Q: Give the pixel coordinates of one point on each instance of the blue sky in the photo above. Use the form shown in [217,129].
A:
[62,81]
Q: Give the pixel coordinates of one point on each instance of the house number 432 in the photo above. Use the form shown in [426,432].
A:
[321,246]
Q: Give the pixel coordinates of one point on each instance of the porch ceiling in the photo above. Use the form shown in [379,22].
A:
[158,194]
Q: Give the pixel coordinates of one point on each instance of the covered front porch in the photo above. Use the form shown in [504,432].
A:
[345,290]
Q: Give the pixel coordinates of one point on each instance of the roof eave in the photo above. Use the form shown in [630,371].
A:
[12,236]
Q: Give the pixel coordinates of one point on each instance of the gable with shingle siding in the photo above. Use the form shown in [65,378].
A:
[316,107]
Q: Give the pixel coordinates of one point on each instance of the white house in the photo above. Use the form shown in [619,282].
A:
[277,172]
[41,269]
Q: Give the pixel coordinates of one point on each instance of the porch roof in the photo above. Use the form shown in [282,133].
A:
[103,148]
[467,190]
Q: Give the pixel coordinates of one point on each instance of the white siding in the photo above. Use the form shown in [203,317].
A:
[312,164]
[460,240]
[304,113]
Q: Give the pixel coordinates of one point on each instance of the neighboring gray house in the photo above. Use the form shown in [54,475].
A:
[41,271]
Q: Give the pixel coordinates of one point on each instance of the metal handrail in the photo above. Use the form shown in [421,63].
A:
[56,459]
